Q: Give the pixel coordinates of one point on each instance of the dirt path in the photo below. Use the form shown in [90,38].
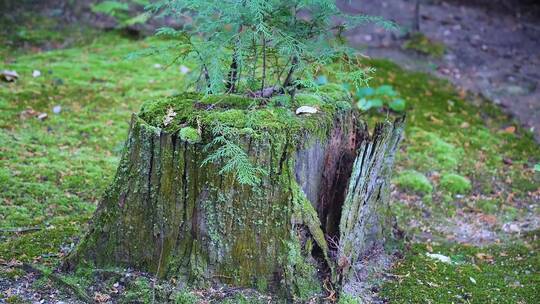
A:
[493,52]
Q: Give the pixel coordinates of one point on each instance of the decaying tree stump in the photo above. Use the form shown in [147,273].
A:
[171,213]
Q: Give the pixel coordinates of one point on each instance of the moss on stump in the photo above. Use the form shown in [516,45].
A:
[180,206]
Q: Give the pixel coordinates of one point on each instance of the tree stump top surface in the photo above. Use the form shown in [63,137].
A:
[197,111]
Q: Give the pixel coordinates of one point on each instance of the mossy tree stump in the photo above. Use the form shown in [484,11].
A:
[313,178]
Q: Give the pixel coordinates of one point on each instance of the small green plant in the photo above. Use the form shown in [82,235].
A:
[261,47]
[376,98]
[236,159]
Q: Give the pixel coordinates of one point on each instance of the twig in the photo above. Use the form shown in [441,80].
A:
[233,72]
[288,79]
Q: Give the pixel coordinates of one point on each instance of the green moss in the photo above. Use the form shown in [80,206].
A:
[333,91]
[489,206]
[414,181]
[239,112]
[455,183]
[45,244]
[509,213]
[185,297]
[190,135]
[234,117]
[16,300]
[346,298]
[243,299]
[229,101]
[431,152]
[280,101]
[137,291]
[305,99]
[420,43]
[494,274]
[302,274]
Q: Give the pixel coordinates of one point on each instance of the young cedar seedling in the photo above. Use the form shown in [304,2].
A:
[263,47]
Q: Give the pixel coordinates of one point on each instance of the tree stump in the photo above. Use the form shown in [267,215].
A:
[219,189]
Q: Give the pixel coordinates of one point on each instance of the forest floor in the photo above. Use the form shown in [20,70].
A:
[465,190]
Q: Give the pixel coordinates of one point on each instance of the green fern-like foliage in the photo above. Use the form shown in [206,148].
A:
[260,48]
[236,159]
[249,45]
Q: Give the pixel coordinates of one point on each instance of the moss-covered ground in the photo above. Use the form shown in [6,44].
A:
[463,162]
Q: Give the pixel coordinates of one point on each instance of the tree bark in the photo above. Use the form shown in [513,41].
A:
[168,214]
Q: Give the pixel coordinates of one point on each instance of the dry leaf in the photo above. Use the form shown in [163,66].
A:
[510,130]
[488,219]
[8,75]
[42,116]
[169,117]
[101,298]
[484,257]
[29,112]
[462,93]
[436,120]
[306,110]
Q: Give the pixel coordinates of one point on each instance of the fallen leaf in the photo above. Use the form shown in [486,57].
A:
[484,257]
[462,93]
[511,228]
[488,219]
[431,284]
[439,257]
[510,130]
[306,110]
[42,116]
[464,125]
[169,117]
[436,120]
[8,75]
[507,161]
[27,113]
[101,298]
